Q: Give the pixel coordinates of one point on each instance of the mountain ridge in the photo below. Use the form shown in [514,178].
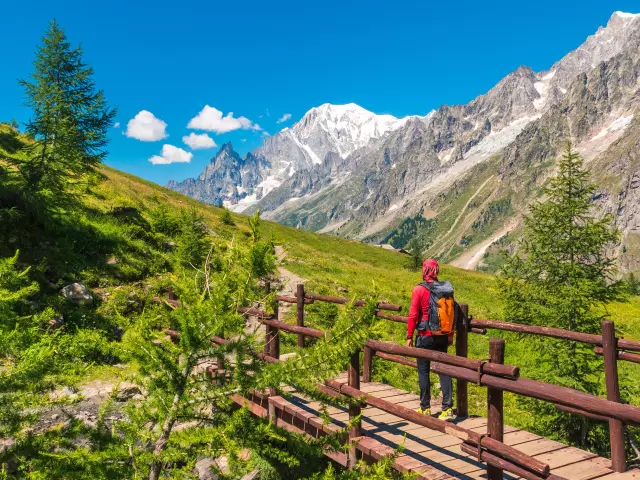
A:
[350,172]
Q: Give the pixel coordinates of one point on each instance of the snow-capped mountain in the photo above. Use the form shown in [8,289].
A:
[345,170]
[341,129]
[324,133]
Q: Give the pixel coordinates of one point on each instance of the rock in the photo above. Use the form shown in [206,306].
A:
[78,294]
[343,290]
[55,323]
[128,391]
[64,392]
[251,475]
[112,261]
[169,245]
[206,469]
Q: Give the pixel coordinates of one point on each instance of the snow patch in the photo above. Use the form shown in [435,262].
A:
[312,154]
[549,75]
[496,141]
[268,184]
[618,124]
[393,207]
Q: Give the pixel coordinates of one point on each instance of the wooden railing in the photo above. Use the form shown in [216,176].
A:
[492,374]
[607,345]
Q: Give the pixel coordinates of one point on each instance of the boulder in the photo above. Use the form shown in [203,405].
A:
[127,391]
[207,469]
[77,293]
[55,323]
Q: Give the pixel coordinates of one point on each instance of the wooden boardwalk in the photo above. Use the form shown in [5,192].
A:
[431,454]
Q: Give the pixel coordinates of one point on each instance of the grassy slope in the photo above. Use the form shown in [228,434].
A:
[330,262]
[79,250]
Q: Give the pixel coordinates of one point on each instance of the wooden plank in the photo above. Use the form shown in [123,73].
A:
[463,466]
[521,436]
[629,475]
[400,398]
[412,404]
[585,470]
[374,387]
[483,429]
[564,456]
[392,392]
[472,422]
[536,447]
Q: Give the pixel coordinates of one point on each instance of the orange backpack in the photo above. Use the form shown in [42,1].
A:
[441,319]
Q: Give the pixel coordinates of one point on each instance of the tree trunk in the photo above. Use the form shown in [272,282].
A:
[156,465]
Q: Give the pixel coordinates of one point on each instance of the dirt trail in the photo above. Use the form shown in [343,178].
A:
[287,282]
[288,279]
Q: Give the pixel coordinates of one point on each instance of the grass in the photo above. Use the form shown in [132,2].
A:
[79,248]
[333,264]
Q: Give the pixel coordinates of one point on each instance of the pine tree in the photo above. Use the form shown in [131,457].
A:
[70,118]
[633,284]
[563,272]
[414,247]
[192,242]
[226,217]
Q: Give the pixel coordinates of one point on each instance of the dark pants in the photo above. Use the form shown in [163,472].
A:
[440,344]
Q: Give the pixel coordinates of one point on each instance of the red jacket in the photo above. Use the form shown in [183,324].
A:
[419,309]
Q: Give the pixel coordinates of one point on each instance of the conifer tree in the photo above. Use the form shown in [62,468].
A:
[633,284]
[561,275]
[226,217]
[414,248]
[69,121]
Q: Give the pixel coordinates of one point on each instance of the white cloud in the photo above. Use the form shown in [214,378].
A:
[284,118]
[199,142]
[116,125]
[146,127]
[211,119]
[171,154]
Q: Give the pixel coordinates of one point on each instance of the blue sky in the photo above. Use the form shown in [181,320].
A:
[262,60]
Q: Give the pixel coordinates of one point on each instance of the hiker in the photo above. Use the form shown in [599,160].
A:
[431,316]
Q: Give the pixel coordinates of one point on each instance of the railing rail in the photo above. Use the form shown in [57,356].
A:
[494,375]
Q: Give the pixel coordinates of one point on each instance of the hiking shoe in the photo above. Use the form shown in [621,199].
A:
[426,411]
[447,415]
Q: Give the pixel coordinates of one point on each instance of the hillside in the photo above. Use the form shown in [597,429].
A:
[124,263]
[111,243]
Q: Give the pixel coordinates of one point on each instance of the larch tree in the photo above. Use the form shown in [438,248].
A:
[70,118]
[562,276]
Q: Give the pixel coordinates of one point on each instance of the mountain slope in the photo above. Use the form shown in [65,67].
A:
[363,176]
[124,263]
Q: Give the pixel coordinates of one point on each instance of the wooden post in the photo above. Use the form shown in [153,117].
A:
[495,417]
[353,379]
[274,351]
[300,313]
[616,427]
[268,329]
[171,294]
[462,350]
[367,364]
